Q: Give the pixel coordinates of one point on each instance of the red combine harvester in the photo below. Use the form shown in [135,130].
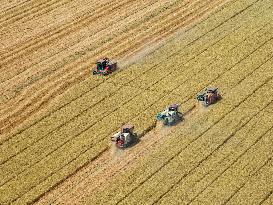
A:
[126,137]
[105,67]
[209,96]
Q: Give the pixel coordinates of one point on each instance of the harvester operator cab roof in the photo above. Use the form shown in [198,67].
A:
[127,129]
[173,107]
[102,63]
[211,90]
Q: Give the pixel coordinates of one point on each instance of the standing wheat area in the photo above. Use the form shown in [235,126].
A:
[56,118]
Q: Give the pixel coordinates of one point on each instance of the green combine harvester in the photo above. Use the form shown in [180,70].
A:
[170,115]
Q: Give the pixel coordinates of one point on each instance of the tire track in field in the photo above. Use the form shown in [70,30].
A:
[200,135]
[58,91]
[191,42]
[264,200]
[157,81]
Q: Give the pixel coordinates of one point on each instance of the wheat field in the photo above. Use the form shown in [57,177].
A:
[57,119]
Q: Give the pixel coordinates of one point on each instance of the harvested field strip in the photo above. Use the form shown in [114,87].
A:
[30,12]
[47,26]
[65,31]
[55,143]
[207,124]
[83,51]
[9,5]
[228,14]
[61,31]
[74,152]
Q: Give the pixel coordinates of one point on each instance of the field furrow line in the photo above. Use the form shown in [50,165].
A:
[20,8]
[242,163]
[48,26]
[234,162]
[256,189]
